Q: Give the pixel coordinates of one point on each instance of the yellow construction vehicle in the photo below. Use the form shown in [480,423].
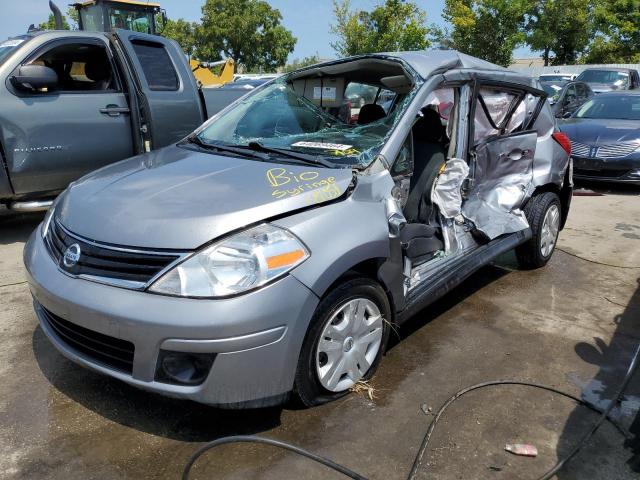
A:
[203,73]
[106,15]
[142,16]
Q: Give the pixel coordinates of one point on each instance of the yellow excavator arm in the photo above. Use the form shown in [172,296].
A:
[204,75]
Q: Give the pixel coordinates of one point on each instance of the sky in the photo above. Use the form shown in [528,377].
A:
[309,20]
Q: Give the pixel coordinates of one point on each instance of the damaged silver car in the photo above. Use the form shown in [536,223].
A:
[272,250]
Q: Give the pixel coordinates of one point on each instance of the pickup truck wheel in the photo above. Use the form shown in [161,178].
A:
[543,214]
[344,343]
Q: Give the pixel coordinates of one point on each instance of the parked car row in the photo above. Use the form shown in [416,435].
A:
[600,112]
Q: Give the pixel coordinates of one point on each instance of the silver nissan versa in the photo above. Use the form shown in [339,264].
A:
[273,250]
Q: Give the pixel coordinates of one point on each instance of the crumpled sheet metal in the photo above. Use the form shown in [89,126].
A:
[502,185]
[446,193]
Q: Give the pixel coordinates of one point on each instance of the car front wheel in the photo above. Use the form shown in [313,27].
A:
[345,341]
[543,214]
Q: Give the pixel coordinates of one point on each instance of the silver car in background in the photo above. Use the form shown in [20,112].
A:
[273,250]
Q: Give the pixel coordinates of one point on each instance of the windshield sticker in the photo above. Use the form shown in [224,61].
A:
[322,189]
[322,146]
[324,93]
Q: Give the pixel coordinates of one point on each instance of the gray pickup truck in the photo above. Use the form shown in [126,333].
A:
[72,102]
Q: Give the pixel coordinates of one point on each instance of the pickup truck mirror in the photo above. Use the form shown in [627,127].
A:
[35,77]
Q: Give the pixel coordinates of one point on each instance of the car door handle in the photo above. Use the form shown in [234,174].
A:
[517,154]
[114,110]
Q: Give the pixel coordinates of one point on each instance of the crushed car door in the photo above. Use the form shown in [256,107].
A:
[501,167]
[169,95]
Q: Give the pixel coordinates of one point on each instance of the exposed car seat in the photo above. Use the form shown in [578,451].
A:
[370,113]
[420,237]
[429,137]
[98,72]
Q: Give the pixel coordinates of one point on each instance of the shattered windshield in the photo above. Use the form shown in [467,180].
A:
[278,117]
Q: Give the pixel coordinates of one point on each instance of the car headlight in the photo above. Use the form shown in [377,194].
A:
[236,264]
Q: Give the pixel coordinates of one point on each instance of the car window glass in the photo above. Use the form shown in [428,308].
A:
[156,65]
[80,67]
[492,107]
[357,95]
[571,92]
[623,107]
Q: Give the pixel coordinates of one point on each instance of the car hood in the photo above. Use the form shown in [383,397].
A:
[595,131]
[178,198]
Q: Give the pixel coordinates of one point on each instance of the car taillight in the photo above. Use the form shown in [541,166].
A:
[563,140]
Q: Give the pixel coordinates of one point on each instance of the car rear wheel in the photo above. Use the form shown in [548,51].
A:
[543,214]
[345,341]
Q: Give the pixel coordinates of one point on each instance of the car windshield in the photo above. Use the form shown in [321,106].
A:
[8,46]
[278,116]
[622,107]
[552,89]
[608,77]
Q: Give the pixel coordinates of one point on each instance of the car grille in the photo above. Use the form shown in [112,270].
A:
[109,351]
[106,263]
[608,173]
[616,150]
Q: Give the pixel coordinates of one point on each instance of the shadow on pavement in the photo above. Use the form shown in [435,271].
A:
[145,411]
[17,228]
[613,360]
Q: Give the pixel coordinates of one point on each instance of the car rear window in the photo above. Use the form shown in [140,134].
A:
[156,65]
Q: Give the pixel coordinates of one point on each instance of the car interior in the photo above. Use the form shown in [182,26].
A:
[80,67]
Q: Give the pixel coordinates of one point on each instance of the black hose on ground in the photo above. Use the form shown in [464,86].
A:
[633,366]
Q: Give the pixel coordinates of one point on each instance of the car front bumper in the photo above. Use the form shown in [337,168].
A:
[624,170]
[255,337]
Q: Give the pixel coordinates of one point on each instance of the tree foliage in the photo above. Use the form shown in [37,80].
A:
[50,24]
[249,31]
[560,29]
[182,32]
[301,62]
[393,26]
[617,24]
[489,29]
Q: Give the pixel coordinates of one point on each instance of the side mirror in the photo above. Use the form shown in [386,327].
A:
[566,114]
[35,77]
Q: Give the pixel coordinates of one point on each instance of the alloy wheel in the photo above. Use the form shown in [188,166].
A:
[549,233]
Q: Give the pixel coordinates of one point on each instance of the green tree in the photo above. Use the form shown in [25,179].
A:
[560,29]
[249,31]
[300,63]
[617,40]
[183,32]
[50,24]
[393,26]
[489,29]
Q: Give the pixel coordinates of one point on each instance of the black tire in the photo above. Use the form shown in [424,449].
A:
[307,385]
[529,254]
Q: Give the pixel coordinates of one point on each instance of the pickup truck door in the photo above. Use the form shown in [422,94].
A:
[51,138]
[169,97]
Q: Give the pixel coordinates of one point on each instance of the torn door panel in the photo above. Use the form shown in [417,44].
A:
[502,181]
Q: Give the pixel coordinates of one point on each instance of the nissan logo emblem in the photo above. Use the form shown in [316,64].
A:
[71,255]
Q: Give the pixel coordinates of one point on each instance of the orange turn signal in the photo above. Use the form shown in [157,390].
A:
[284,259]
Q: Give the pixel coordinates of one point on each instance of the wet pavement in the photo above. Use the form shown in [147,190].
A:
[572,325]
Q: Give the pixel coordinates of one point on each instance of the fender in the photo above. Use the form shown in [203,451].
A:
[339,237]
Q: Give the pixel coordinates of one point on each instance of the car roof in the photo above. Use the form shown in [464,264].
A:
[620,93]
[427,63]
[610,69]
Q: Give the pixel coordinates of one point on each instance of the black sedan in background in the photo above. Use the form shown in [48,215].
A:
[566,97]
[605,138]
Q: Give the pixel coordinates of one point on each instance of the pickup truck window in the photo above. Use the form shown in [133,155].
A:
[156,65]
[80,67]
